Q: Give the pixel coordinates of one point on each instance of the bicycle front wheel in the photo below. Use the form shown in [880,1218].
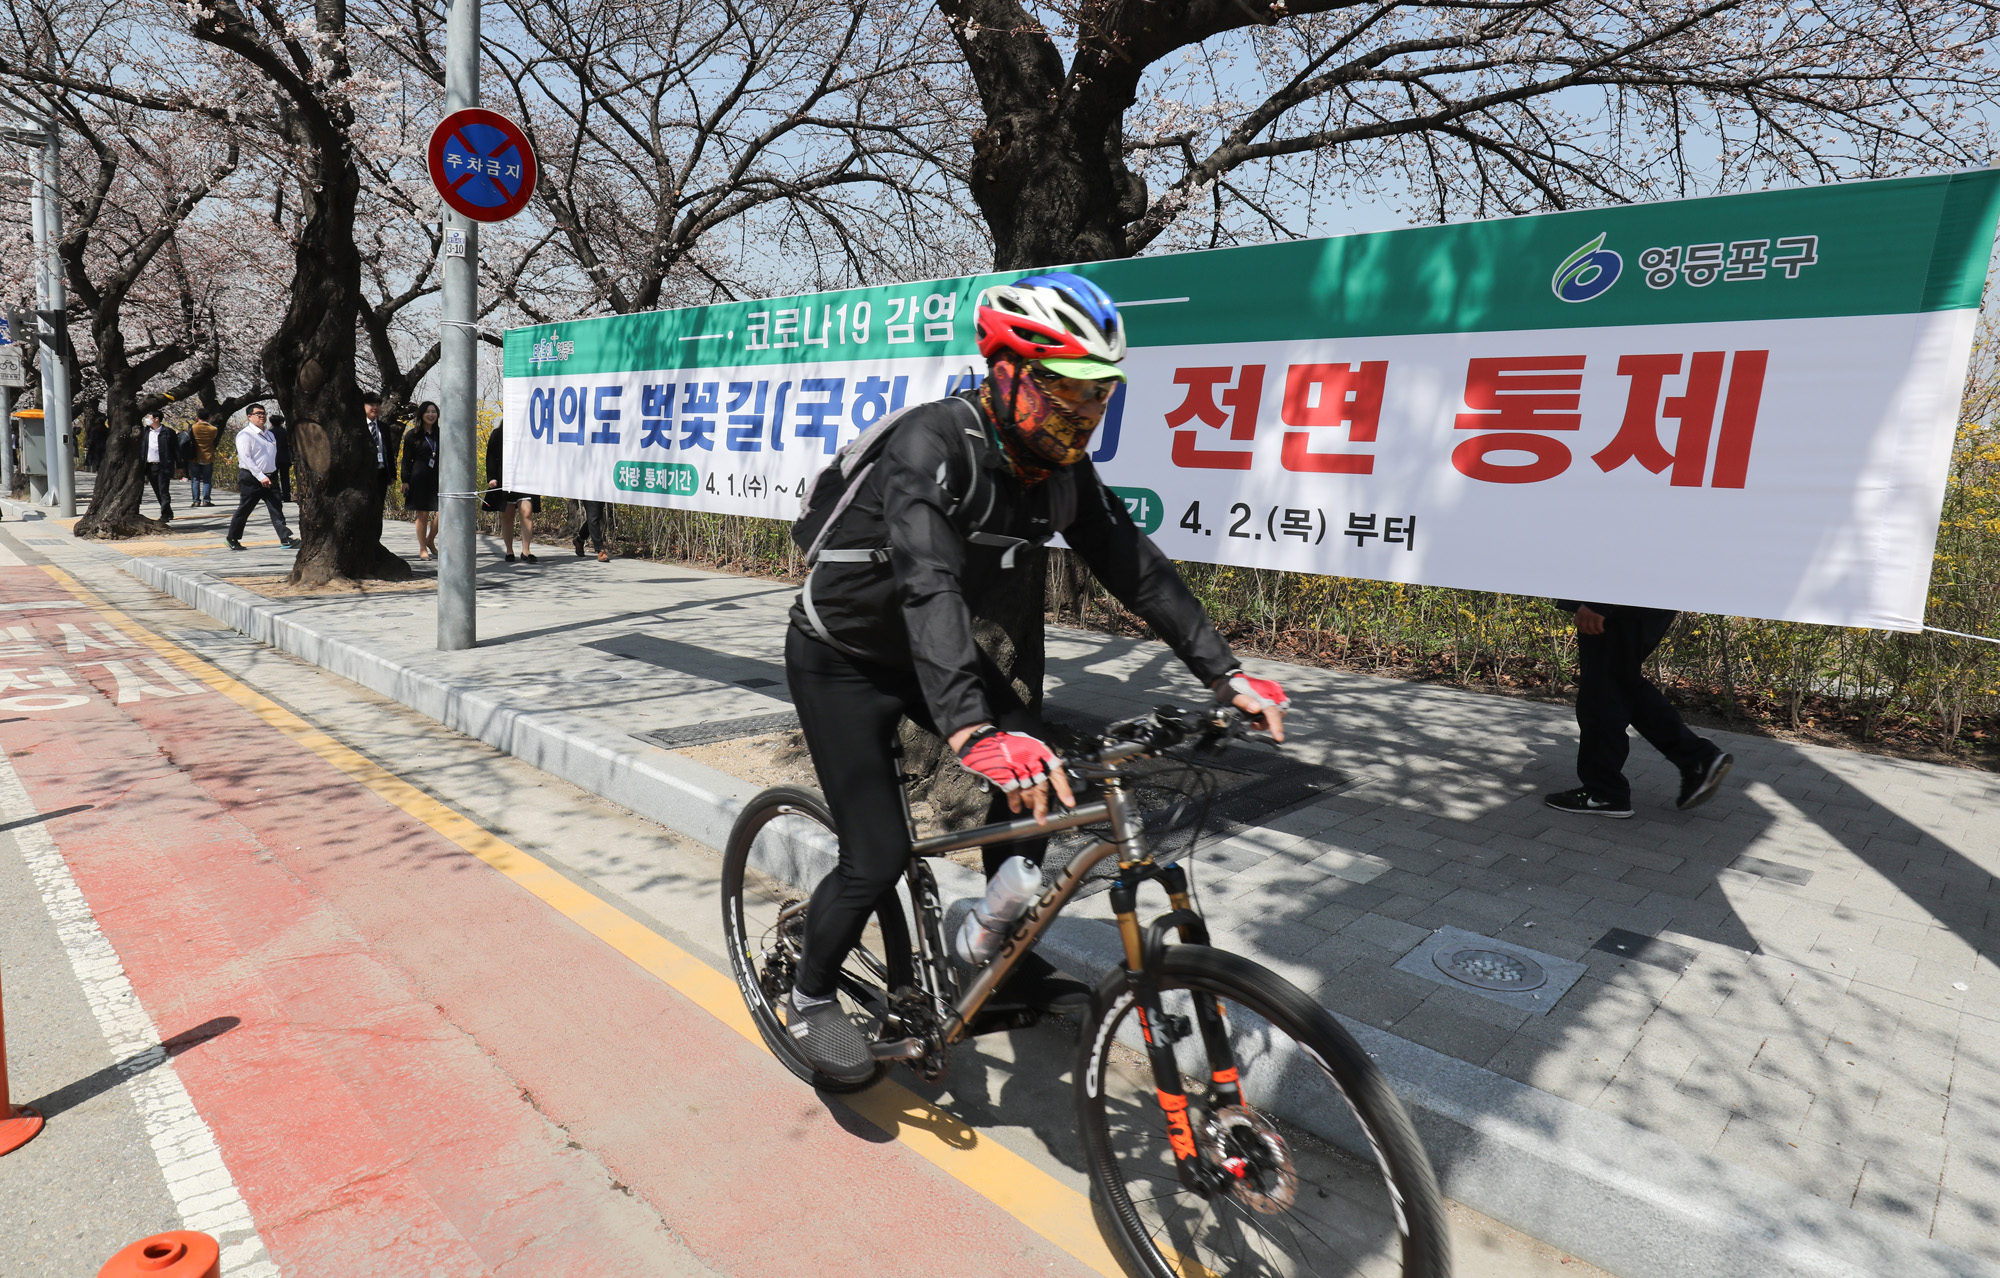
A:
[1308,1165]
[779,849]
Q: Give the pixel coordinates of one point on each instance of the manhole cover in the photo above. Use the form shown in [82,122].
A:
[1490,969]
[596,676]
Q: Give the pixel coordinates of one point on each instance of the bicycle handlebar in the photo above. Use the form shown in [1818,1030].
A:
[1165,728]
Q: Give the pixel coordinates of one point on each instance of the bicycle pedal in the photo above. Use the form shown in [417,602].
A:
[897,1049]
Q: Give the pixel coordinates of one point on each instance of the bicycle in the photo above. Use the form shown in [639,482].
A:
[1196,1177]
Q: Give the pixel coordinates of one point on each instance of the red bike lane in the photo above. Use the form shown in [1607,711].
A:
[429,1071]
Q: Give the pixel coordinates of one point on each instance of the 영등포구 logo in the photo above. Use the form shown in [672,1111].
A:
[1587,272]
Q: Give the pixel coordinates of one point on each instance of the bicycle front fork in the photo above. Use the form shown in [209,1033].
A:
[1144,952]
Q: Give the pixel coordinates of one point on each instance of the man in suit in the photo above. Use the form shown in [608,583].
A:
[161,451]
[385,444]
[281,478]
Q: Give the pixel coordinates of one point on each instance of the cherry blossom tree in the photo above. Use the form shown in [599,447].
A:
[1110,128]
[700,149]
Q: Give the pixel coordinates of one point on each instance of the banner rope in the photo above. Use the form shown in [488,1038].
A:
[1960,634]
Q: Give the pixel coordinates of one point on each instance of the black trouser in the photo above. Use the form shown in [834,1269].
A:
[1612,693]
[849,711]
[161,476]
[248,493]
[592,524]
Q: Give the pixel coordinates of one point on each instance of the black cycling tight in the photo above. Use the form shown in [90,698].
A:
[850,710]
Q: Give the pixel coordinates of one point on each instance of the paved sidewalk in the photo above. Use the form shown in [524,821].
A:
[1807,997]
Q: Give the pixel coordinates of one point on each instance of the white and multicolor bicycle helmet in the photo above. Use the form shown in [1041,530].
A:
[1061,321]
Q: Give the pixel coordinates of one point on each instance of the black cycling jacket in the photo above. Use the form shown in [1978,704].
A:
[915,611]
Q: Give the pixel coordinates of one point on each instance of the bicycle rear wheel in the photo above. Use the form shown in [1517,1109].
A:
[779,849]
[1316,1171]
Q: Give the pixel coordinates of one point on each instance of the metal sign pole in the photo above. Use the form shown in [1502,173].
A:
[458,367]
[55,335]
[7,442]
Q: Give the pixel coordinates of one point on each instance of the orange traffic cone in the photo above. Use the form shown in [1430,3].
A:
[181,1253]
[17,1126]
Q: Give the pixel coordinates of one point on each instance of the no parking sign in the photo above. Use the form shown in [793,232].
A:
[482,165]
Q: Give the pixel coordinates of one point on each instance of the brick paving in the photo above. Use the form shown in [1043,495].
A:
[1830,1016]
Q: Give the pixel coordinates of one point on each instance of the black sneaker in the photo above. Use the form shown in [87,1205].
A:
[829,1040]
[1698,785]
[236,545]
[1582,800]
[1036,983]
[579,549]
[290,543]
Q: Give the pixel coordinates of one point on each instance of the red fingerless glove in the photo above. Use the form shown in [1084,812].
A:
[1237,684]
[1010,760]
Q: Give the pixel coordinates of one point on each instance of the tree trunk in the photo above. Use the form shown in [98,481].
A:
[1052,185]
[310,360]
[120,486]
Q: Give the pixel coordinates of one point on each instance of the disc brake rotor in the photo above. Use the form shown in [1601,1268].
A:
[1256,1158]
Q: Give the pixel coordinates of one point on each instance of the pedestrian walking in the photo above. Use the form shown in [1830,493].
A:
[1613,694]
[506,503]
[257,458]
[162,458]
[200,463]
[420,478]
[591,520]
[281,478]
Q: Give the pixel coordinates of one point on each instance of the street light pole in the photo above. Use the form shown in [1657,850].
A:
[458,367]
[55,333]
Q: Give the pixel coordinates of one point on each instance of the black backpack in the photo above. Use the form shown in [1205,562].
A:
[836,487]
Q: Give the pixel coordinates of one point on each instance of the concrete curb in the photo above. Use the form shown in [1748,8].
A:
[699,802]
[1630,1201]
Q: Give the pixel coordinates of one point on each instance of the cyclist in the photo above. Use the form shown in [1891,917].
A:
[883,626]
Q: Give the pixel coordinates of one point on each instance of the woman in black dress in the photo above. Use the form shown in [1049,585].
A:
[498,498]
[420,478]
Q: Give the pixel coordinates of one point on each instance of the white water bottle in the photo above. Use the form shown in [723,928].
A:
[1008,896]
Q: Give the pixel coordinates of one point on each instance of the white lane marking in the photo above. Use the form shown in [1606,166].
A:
[77,641]
[38,603]
[44,701]
[132,686]
[183,1144]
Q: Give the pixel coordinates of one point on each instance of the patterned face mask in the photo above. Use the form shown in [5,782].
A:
[1040,433]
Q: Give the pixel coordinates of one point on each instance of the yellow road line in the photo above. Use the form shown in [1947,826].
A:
[1032,1196]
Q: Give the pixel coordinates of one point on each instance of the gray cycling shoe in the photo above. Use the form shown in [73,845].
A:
[824,1036]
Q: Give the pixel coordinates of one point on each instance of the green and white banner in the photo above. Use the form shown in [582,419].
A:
[1741,405]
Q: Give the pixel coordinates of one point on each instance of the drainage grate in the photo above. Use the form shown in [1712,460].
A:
[1524,979]
[1490,969]
[695,734]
